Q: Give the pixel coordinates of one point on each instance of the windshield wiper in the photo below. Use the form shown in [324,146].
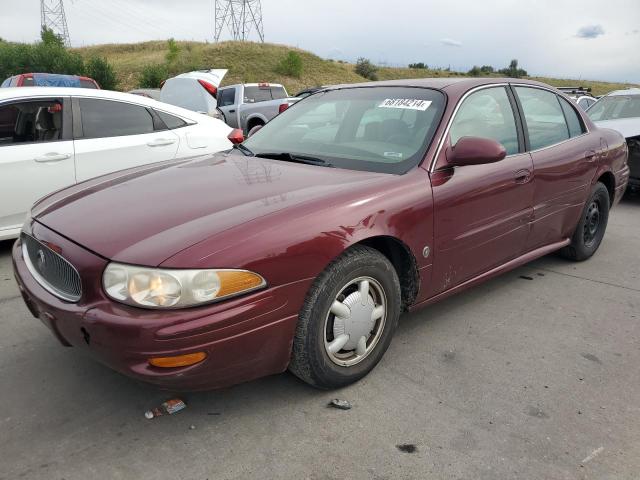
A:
[245,150]
[290,157]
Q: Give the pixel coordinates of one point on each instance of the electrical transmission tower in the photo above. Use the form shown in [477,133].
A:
[241,17]
[52,17]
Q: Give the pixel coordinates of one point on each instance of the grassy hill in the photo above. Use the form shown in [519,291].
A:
[256,62]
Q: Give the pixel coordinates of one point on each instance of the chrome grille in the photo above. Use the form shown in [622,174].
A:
[50,270]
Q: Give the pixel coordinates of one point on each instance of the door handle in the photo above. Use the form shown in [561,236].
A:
[232,111]
[523,176]
[161,142]
[52,157]
[590,156]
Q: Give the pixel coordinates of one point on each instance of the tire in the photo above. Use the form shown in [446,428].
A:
[318,327]
[592,226]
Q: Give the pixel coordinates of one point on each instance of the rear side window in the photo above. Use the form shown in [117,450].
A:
[27,82]
[573,121]
[544,118]
[30,122]
[487,113]
[257,94]
[106,118]
[84,83]
[227,97]
[278,93]
[171,121]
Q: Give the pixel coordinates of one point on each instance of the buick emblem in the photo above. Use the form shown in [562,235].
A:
[41,260]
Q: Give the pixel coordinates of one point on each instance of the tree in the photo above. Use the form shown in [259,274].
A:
[513,70]
[475,71]
[48,37]
[102,72]
[419,65]
[486,69]
[366,69]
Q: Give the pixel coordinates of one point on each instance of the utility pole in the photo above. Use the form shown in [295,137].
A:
[241,17]
[52,16]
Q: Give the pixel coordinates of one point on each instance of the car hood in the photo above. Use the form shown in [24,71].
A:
[628,127]
[148,214]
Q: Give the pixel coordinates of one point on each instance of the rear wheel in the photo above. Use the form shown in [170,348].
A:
[348,319]
[591,227]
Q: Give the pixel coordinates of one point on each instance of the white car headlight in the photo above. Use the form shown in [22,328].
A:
[164,288]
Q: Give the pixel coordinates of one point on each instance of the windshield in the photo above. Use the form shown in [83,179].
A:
[614,107]
[379,129]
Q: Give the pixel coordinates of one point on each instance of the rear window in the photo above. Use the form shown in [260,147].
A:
[278,93]
[6,83]
[27,81]
[84,83]
[381,129]
[257,94]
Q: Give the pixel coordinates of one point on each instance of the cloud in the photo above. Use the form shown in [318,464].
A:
[448,42]
[590,31]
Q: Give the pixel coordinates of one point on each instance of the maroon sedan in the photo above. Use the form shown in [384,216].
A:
[300,247]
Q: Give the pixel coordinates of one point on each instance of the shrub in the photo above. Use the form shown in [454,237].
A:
[366,69]
[291,65]
[152,76]
[419,65]
[475,71]
[174,51]
[513,70]
[102,72]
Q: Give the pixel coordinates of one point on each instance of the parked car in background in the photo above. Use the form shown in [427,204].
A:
[300,248]
[581,95]
[196,91]
[250,105]
[153,93]
[49,80]
[51,138]
[620,110]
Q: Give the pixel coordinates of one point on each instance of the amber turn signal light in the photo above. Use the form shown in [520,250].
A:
[178,361]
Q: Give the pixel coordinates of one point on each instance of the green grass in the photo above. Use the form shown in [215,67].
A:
[261,62]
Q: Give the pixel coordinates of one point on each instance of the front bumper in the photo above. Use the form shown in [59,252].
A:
[244,338]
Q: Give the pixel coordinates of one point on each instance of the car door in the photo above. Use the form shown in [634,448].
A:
[564,161]
[481,212]
[36,155]
[227,105]
[113,135]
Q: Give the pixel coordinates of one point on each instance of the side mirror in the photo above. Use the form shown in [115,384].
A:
[254,130]
[236,136]
[476,151]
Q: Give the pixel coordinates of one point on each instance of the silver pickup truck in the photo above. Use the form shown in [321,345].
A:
[249,105]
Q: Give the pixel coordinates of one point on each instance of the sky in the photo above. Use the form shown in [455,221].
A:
[585,39]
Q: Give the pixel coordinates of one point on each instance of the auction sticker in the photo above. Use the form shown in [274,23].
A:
[406,103]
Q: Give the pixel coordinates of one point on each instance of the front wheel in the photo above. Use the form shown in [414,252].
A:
[592,225]
[348,319]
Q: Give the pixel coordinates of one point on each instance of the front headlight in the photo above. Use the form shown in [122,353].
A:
[163,288]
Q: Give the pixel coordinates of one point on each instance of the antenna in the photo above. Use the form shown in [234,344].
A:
[52,17]
[240,17]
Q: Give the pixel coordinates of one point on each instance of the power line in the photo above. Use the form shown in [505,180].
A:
[240,17]
[52,16]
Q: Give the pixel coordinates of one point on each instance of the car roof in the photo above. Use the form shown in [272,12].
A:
[627,91]
[443,83]
[17,93]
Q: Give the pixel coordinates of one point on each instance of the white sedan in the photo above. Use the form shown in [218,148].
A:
[51,138]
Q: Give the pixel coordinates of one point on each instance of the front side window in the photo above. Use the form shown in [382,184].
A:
[381,129]
[29,122]
[614,107]
[106,118]
[487,113]
[544,118]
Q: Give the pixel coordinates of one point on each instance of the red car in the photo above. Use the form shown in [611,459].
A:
[300,247]
[49,80]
